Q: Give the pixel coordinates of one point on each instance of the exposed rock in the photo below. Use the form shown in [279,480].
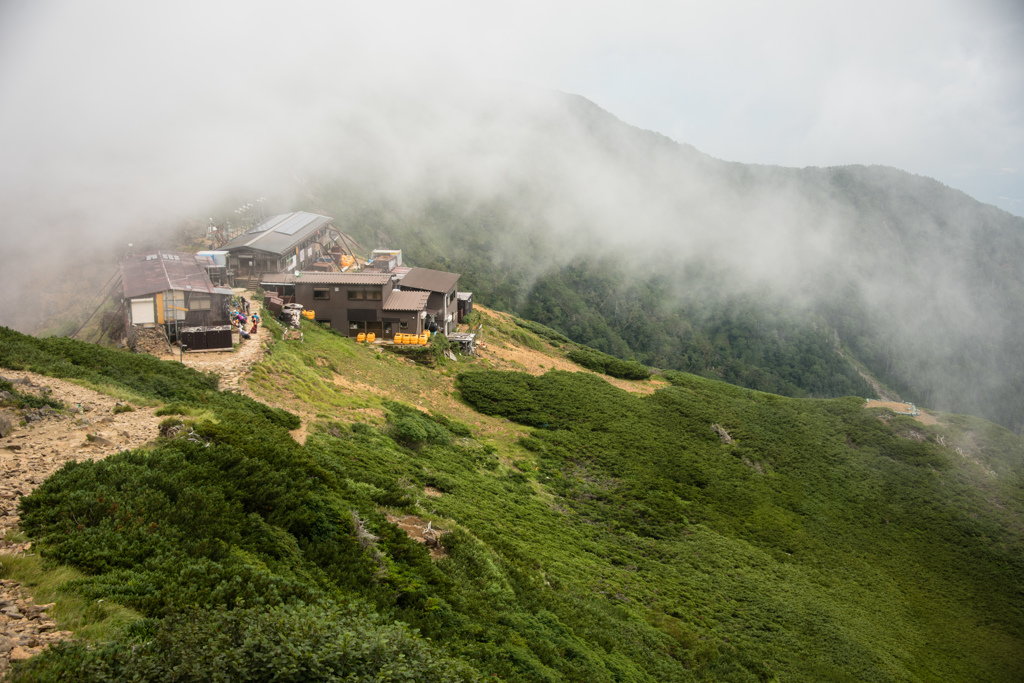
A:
[722,434]
[6,427]
[19,654]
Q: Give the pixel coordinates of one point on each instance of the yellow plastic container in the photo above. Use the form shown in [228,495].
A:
[361,337]
[398,338]
[422,341]
[309,315]
[370,337]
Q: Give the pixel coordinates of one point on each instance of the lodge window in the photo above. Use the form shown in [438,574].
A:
[364,295]
[403,326]
[321,294]
[199,303]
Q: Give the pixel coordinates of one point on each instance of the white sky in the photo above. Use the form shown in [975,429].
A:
[934,87]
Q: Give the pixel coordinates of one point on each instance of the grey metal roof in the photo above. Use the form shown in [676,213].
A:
[279,234]
[430,280]
[326,278]
[163,270]
[406,301]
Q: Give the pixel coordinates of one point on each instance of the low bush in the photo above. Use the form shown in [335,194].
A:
[316,643]
[609,365]
[542,331]
[19,399]
[141,374]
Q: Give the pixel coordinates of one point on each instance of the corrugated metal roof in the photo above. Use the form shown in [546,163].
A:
[430,280]
[164,270]
[406,301]
[280,233]
[326,278]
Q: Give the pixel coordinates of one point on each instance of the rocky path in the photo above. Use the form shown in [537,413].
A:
[35,444]
[232,366]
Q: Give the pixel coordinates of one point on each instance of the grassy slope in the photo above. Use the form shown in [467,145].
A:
[866,552]
[610,535]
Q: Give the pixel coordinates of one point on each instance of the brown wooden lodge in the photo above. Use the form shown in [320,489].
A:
[384,303]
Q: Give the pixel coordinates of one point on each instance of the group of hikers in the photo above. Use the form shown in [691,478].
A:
[240,318]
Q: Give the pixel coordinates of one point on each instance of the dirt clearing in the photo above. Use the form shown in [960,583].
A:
[923,418]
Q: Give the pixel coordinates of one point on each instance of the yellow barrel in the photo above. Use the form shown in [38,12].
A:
[406,338]
[370,336]
[361,337]
[422,341]
[398,338]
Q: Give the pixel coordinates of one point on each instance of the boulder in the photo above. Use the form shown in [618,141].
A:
[20,654]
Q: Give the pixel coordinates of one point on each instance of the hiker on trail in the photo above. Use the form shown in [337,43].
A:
[254,326]
[245,304]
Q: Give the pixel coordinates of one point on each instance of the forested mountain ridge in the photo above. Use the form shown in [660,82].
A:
[781,279]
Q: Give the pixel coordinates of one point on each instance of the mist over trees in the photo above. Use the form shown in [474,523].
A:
[778,279]
[781,279]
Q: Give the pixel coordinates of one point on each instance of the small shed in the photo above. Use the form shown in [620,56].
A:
[465,304]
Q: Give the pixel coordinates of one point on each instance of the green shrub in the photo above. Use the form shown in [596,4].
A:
[609,365]
[285,643]
[139,373]
[23,400]
[542,331]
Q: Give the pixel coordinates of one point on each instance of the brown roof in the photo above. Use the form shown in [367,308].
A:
[406,301]
[430,280]
[326,278]
[164,270]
